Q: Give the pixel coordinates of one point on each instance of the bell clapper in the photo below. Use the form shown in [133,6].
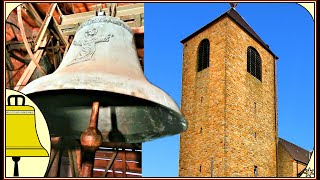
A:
[90,140]
[16,168]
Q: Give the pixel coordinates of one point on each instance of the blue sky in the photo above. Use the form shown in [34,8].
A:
[286,27]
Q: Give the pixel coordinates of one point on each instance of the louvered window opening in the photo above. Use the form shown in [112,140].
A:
[254,62]
[203,55]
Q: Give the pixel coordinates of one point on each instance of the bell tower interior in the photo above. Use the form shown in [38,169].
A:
[229,99]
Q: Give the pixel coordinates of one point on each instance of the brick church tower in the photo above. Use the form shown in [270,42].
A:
[229,98]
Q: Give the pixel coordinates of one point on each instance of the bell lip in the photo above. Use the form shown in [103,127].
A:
[180,124]
[157,96]
[156,136]
[69,90]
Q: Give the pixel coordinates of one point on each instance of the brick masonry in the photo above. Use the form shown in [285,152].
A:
[287,166]
[225,105]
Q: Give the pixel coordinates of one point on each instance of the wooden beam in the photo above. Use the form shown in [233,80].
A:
[26,43]
[110,163]
[130,155]
[138,30]
[131,9]
[24,79]
[17,45]
[60,34]
[70,29]
[120,145]
[59,11]
[73,162]
[32,12]
[9,69]
[66,50]
[124,164]
[133,14]
[55,154]
[118,165]
[140,53]
[44,26]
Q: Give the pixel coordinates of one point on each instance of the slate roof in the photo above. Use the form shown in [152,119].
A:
[235,16]
[296,152]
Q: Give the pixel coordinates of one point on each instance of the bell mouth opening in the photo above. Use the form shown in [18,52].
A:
[122,118]
[84,97]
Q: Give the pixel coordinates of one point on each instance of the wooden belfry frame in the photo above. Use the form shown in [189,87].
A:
[132,14]
[111,159]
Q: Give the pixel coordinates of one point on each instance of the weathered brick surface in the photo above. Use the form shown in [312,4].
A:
[220,100]
[287,166]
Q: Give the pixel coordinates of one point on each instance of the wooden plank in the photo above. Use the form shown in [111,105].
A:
[140,52]
[121,145]
[128,166]
[110,163]
[130,155]
[124,164]
[31,67]
[59,11]
[133,176]
[130,9]
[71,29]
[66,50]
[17,45]
[60,34]
[73,162]
[129,6]
[120,170]
[54,162]
[129,174]
[78,18]
[32,12]
[138,30]
[26,43]
[133,12]
[137,20]
[101,162]
[44,26]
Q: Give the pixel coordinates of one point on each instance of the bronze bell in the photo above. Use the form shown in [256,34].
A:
[102,65]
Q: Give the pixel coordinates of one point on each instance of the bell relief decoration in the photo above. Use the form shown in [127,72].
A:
[88,44]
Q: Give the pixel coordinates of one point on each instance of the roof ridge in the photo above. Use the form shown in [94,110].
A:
[295,145]
[239,20]
[296,152]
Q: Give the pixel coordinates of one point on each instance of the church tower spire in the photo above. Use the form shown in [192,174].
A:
[233,5]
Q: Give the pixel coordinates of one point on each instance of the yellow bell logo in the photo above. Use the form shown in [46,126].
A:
[21,134]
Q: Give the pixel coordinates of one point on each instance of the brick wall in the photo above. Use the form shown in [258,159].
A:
[287,166]
[219,103]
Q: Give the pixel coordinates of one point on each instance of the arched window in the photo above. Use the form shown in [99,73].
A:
[203,54]
[254,62]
